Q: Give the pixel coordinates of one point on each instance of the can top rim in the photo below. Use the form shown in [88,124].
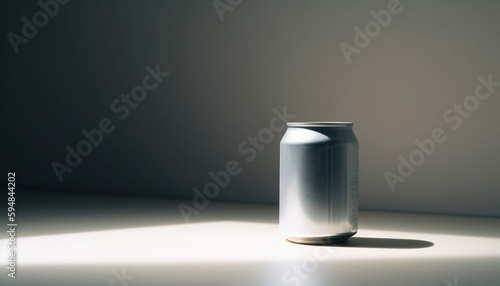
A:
[319,124]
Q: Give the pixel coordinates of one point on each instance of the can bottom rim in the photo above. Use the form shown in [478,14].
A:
[323,240]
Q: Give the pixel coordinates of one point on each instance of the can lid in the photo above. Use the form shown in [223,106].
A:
[319,124]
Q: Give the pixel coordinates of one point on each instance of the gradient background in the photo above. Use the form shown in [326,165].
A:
[226,77]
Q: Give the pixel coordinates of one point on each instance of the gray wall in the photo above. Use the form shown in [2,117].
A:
[227,75]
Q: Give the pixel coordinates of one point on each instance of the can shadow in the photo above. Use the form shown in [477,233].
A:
[372,242]
[394,243]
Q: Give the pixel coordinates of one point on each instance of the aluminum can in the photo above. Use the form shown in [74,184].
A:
[318,182]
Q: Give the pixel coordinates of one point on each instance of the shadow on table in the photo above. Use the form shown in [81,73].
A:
[373,242]
[395,243]
[50,213]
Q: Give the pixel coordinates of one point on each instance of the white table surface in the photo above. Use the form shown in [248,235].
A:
[94,239]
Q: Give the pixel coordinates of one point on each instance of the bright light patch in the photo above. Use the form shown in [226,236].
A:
[225,241]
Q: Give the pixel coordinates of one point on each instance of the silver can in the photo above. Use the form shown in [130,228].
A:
[319,182]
